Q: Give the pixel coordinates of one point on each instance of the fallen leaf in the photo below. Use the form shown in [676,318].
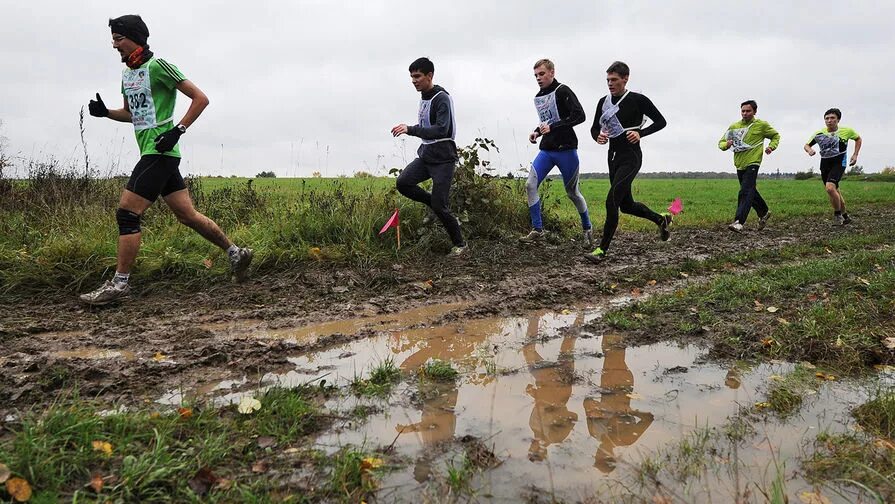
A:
[291,451]
[813,498]
[248,405]
[652,282]
[889,343]
[638,316]
[825,376]
[371,463]
[772,309]
[829,251]
[613,286]
[807,365]
[758,303]
[776,378]
[636,292]
[315,253]
[864,281]
[207,263]
[185,413]
[266,442]
[812,297]
[154,415]
[203,481]
[884,444]
[839,342]
[18,489]
[224,484]
[5,473]
[159,357]
[762,405]
[103,446]
[424,286]
[885,368]
[566,312]
[259,467]
[634,395]
[96,483]
[767,341]
[782,320]
[684,275]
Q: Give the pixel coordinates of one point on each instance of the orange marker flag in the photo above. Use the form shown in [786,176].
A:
[393,222]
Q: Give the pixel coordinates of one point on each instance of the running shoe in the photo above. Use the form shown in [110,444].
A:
[239,263]
[589,237]
[846,219]
[108,292]
[735,226]
[763,220]
[838,220]
[597,256]
[664,232]
[457,251]
[534,236]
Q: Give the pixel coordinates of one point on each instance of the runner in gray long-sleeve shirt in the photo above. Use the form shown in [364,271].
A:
[438,153]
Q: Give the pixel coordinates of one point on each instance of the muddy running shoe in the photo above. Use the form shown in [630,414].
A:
[108,292]
[838,220]
[534,236]
[763,220]
[239,263]
[664,231]
[596,257]
[457,251]
[589,237]
[735,226]
[846,219]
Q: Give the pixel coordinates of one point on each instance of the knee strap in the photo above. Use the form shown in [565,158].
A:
[128,222]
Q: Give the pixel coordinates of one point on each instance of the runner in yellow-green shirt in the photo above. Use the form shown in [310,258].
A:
[833,144]
[746,138]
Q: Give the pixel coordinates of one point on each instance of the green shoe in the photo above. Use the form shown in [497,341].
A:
[597,256]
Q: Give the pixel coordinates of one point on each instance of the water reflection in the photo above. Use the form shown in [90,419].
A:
[610,419]
[551,421]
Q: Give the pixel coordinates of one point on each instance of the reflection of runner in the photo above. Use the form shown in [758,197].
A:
[438,153]
[619,122]
[611,419]
[150,87]
[558,111]
[833,144]
[746,137]
[438,421]
[551,421]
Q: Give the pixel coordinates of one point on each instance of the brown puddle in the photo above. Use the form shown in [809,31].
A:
[562,409]
[93,353]
[313,332]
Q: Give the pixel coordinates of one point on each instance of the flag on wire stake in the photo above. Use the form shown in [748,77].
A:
[676,207]
[393,222]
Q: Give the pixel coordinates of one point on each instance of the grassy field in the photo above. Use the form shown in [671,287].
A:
[61,233]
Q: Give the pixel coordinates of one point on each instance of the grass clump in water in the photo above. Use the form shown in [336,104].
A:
[439,370]
[381,381]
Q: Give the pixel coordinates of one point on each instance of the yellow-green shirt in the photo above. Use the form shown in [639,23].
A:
[748,141]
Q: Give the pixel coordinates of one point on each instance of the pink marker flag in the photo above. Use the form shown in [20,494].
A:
[393,222]
[676,207]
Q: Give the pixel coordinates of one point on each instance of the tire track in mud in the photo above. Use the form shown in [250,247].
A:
[167,333]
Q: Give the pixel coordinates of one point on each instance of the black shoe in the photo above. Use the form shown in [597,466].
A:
[664,231]
[846,219]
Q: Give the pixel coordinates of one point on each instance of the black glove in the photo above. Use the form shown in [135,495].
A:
[97,107]
[167,140]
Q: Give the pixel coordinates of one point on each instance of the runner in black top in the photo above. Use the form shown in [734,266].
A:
[438,153]
[619,122]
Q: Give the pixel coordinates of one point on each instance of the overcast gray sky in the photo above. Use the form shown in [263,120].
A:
[308,85]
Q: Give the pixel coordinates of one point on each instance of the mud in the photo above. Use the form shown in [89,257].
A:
[242,328]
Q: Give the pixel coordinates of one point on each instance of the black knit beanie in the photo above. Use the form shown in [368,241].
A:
[132,27]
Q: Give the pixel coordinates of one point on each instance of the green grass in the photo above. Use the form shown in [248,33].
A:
[877,415]
[830,309]
[381,381]
[152,456]
[787,393]
[438,370]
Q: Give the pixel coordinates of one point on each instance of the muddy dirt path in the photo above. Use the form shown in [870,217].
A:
[162,339]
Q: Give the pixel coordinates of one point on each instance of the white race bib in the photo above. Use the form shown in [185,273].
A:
[609,122]
[736,136]
[138,91]
[426,122]
[548,111]
[828,144]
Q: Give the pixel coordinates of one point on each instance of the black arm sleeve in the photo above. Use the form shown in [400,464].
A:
[595,129]
[653,113]
[570,102]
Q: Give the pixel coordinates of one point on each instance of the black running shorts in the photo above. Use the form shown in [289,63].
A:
[156,175]
[832,169]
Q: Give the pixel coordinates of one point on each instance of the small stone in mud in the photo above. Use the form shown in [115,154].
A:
[677,370]
[340,289]
[345,355]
